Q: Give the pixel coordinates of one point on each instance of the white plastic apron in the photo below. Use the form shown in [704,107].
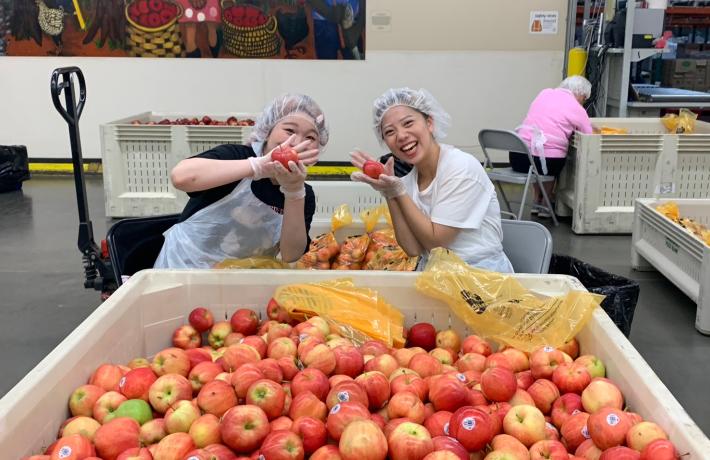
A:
[237,226]
[537,144]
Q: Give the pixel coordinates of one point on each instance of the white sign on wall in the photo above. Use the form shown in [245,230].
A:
[543,22]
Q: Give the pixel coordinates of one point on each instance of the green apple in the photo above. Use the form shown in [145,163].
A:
[137,409]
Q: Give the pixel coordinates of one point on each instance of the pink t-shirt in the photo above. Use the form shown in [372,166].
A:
[558,115]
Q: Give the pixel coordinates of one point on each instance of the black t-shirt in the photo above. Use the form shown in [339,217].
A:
[267,192]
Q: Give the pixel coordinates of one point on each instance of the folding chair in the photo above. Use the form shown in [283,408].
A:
[497,139]
[528,246]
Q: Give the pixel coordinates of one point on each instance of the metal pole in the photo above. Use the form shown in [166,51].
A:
[626,60]
[569,34]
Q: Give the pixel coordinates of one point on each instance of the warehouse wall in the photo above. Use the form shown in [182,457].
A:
[476,56]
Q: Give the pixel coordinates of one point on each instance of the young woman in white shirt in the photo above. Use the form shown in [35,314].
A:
[447,200]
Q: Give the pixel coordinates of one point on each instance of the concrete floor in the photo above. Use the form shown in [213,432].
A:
[42,298]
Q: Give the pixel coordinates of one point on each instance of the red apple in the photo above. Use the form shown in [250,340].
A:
[116,436]
[167,390]
[275,312]
[342,414]
[82,400]
[544,393]
[282,445]
[216,398]
[218,333]
[601,393]
[201,319]
[313,380]
[136,453]
[327,452]
[363,440]
[348,361]
[521,397]
[271,369]
[422,335]
[471,427]
[82,425]
[186,337]
[450,444]
[243,428]
[289,367]
[524,379]
[373,169]
[242,380]
[312,431]
[107,404]
[307,404]
[107,377]
[180,416]
[527,423]
[282,347]
[409,441]
[197,355]
[447,393]
[571,347]
[511,445]
[564,407]
[642,434]
[320,357]
[659,449]
[412,383]
[244,321]
[574,430]
[588,450]
[444,356]
[220,452]
[498,360]
[543,362]
[406,404]
[203,373]
[475,344]
[236,356]
[258,343]
[608,427]
[517,358]
[552,450]
[498,384]
[72,447]
[347,391]
[471,362]
[438,423]
[571,378]
[619,453]
[425,365]
[205,431]
[383,363]
[377,388]
[267,395]
[136,383]
[171,361]
[174,446]
[152,431]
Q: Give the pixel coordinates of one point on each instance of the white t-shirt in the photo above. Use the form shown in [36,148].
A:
[462,196]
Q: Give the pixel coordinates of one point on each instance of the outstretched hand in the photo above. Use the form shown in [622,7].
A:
[389,185]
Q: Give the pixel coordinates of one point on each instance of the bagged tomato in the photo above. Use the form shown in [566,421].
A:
[352,253]
[390,258]
[321,251]
[342,217]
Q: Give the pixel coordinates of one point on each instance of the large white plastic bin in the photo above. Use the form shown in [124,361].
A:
[137,160]
[606,173]
[659,243]
[331,194]
[138,320]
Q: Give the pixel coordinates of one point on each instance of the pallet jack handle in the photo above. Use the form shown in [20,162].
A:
[96,270]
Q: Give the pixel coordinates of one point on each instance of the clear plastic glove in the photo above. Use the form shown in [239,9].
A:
[264,166]
[292,181]
[389,185]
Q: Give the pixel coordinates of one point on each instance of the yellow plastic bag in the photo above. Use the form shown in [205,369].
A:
[670,210]
[610,130]
[370,217]
[683,123]
[385,211]
[499,308]
[342,217]
[322,250]
[251,263]
[357,313]
[352,253]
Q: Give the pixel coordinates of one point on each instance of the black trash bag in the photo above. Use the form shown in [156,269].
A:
[14,167]
[621,293]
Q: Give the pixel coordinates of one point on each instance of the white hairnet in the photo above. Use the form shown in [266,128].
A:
[282,107]
[420,100]
[579,86]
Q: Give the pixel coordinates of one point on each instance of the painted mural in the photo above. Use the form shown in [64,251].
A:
[279,29]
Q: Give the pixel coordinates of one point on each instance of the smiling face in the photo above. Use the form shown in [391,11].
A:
[294,124]
[408,133]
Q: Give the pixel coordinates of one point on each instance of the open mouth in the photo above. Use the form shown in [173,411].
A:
[408,149]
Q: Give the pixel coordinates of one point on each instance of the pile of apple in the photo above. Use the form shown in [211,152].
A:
[204,121]
[377,250]
[279,389]
[245,16]
[152,13]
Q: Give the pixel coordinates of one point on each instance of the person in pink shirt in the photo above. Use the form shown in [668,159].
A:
[554,115]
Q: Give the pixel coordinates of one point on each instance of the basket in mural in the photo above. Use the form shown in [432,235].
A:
[248,32]
[154,33]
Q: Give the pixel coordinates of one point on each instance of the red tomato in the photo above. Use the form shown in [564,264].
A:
[373,169]
[283,155]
